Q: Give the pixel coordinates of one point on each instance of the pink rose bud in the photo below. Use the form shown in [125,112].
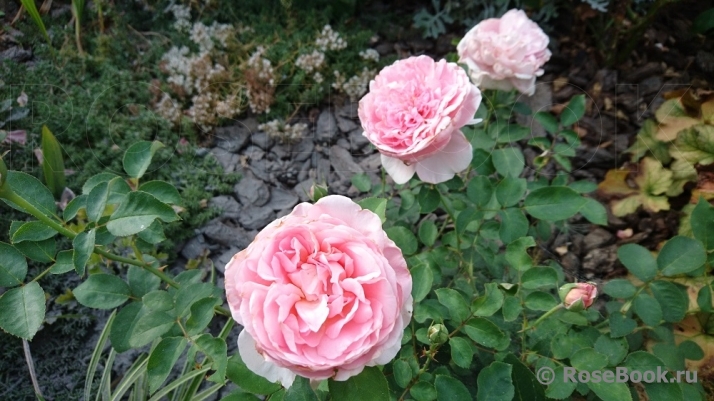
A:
[321,293]
[578,296]
[413,114]
[505,53]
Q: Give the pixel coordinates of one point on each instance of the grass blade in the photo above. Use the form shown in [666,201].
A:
[31,9]
[135,371]
[104,391]
[94,360]
[181,380]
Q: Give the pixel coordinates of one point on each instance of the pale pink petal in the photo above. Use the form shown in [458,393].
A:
[454,158]
[314,313]
[400,172]
[259,365]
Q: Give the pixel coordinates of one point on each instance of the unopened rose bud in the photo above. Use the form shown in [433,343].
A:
[316,192]
[438,334]
[578,296]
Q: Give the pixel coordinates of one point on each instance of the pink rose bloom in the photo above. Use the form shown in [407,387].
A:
[413,114]
[572,293]
[321,293]
[505,53]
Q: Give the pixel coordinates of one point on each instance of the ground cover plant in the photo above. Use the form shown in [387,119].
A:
[433,283]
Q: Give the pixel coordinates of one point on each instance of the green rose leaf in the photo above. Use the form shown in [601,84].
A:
[149,327]
[362,182]
[13,266]
[638,260]
[509,161]
[428,232]
[97,200]
[681,255]
[83,245]
[588,359]
[23,310]
[619,288]
[137,212]
[547,120]
[239,374]
[455,302]
[495,383]
[574,111]
[511,308]
[162,360]
[517,255]
[610,391]
[594,212]
[514,225]
[216,349]
[33,231]
[376,205]
[480,190]
[142,281]
[538,277]
[422,280]
[621,325]
[526,384]
[554,203]
[52,163]
[674,297]
[300,391]
[540,301]
[402,373]
[64,262]
[158,300]
[701,221]
[648,309]
[488,304]
[102,291]
[560,388]
[201,315]
[486,333]
[510,191]
[615,348]
[461,352]
[450,389]
[403,238]
[137,157]
[429,199]
[162,191]
[423,391]
[368,385]
[32,191]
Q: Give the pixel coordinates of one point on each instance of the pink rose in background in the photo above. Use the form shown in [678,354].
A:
[321,293]
[413,114]
[505,53]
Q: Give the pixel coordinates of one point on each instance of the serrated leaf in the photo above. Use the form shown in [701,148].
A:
[102,291]
[450,389]
[486,333]
[509,161]
[428,199]
[673,296]
[201,315]
[554,203]
[32,191]
[695,145]
[681,255]
[648,309]
[216,349]
[638,261]
[538,277]
[162,360]
[23,310]
[13,266]
[461,352]
[162,191]
[495,383]
[574,111]
[137,212]
[83,245]
[137,157]
[403,238]
[517,254]
[141,281]
[614,348]
[33,231]
[702,223]
[489,303]
[514,225]
[455,302]
[64,262]
[594,212]
[362,182]
[376,205]
[149,327]
[422,280]
[368,385]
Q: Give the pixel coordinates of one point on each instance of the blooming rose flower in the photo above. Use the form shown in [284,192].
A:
[505,53]
[321,293]
[578,296]
[413,114]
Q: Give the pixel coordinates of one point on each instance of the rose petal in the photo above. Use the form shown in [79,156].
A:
[400,172]
[259,365]
[454,158]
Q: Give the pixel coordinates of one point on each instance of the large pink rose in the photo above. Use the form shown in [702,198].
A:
[413,114]
[505,53]
[321,293]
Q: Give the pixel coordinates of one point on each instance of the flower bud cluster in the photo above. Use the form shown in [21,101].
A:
[330,40]
[312,61]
